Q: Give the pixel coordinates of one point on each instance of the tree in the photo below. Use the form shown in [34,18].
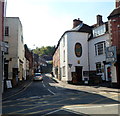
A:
[48,50]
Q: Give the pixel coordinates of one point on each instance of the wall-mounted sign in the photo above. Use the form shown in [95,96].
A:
[78,49]
[111,54]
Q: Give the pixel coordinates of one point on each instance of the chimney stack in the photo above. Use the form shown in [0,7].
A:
[117,3]
[99,20]
[76,22]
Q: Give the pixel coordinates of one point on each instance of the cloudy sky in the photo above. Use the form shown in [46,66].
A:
[44,21]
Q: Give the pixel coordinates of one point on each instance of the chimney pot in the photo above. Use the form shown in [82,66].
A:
[76,22]
[117,3]
[99,20]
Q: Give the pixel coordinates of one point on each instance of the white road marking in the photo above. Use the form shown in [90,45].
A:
[51,91]
[89,106]
[51,112]
[48,89]
[43,84]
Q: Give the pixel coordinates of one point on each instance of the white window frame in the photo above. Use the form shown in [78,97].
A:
[100,48]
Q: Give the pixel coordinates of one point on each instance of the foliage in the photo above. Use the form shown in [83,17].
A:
[48,50]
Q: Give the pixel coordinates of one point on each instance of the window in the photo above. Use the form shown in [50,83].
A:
[21,38]
[63,71]
[100,48]
[64,56]
[6,47]
[98,67]
[99,30]
[6,31]
[78,49]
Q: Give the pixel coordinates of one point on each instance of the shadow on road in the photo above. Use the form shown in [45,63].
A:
[58,104]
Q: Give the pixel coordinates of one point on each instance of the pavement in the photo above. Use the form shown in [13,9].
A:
[97,89]
[12,91]
[87,88]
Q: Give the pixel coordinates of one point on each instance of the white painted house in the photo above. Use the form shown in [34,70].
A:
[14,57]
[73,47]
[97,47]
[82,53]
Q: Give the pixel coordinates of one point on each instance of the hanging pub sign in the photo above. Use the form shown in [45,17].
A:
[78,49]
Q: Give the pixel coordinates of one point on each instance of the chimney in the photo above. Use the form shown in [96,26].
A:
[117,3]
[99,20]
[76,22]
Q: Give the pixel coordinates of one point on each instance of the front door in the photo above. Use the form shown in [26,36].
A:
[79,73]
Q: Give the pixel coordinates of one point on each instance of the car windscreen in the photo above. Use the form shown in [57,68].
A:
[38,74]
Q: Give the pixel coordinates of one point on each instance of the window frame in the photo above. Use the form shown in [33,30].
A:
[100,50]
[6,30]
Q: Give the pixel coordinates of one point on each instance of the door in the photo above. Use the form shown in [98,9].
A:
[78,73]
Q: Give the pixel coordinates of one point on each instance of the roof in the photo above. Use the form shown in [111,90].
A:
[114,13]
[80,28]
[85,28]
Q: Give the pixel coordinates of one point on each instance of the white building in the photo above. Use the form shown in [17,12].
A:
[14,63]
[82,53]
[73,47]
[97,49]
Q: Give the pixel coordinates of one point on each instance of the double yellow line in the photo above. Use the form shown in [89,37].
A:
[18,92]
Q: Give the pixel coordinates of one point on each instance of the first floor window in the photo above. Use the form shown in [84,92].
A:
[100,48]
[63,71]
[6,31]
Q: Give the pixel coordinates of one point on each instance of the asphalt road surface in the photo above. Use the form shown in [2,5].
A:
[44,98]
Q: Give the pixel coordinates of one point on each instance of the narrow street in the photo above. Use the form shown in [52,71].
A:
[49,98]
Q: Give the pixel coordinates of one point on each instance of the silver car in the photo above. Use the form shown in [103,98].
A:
[38,76]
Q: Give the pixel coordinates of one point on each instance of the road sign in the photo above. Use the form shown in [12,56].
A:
[111,54]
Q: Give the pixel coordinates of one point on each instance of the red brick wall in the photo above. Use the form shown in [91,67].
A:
[56,58]
[117,3]
[115,32]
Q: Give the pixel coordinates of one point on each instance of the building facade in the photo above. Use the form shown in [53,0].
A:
[14,56]
[73,53]
[2,44]
[28,62]
[56,63]
[114,30]
[97,51]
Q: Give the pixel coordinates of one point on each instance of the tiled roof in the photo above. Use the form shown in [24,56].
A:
[85,28]
[114,13]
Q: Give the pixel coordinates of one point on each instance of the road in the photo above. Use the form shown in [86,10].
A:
[43,98]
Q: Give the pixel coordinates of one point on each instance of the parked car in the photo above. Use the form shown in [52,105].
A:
[38,76]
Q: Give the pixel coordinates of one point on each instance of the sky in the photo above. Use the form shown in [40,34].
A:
[44,21]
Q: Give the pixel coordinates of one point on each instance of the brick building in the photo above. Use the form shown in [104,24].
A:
[2,45]
[114,30]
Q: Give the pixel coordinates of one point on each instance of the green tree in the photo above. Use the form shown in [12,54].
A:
[48,50]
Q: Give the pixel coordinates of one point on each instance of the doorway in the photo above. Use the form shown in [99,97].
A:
[78,70]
